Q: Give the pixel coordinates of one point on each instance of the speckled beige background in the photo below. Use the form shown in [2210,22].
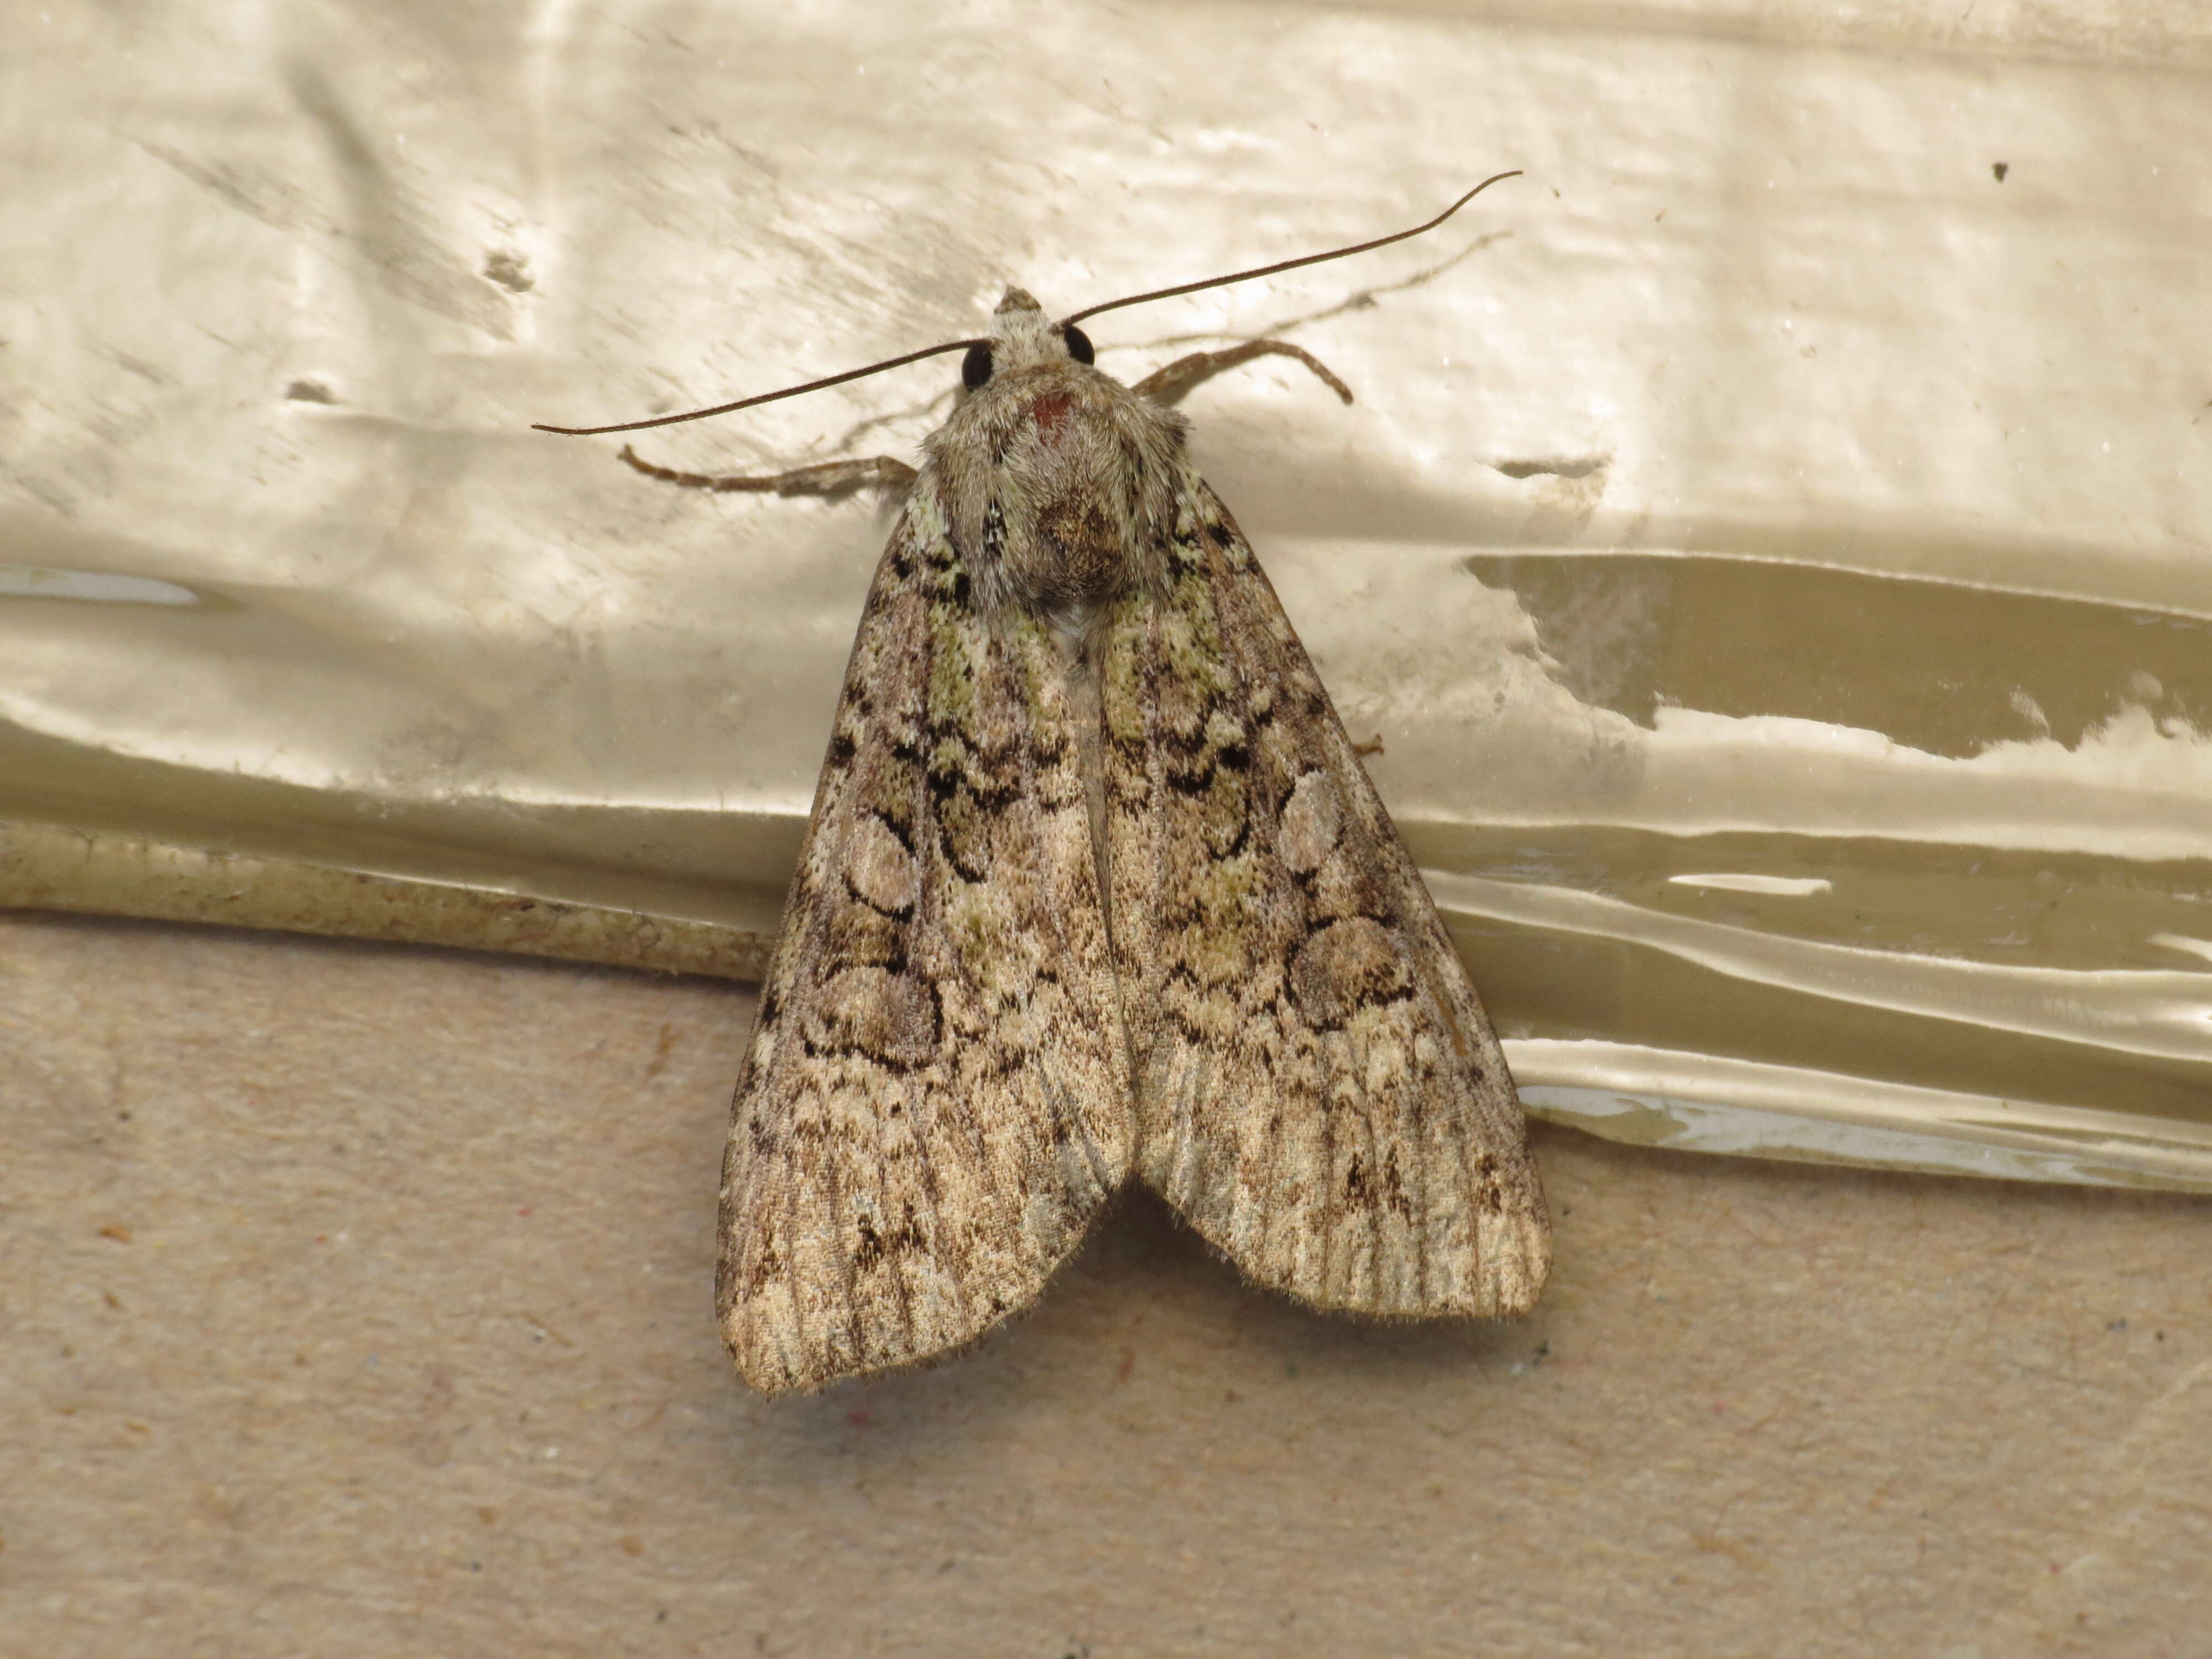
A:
[357,1302]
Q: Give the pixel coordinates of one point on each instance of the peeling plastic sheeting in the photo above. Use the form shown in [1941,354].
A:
[1829,1118]
[1773,575]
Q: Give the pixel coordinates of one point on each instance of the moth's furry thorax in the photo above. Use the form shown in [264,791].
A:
[1060,483]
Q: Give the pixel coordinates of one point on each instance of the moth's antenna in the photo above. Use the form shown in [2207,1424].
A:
[961,345]
[764,397]
[1291,265]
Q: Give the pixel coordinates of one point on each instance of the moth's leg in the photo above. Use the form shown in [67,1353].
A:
[831,478]
[1184,374]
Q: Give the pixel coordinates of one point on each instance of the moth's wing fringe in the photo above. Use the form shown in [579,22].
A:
[1320,1093]
[935,1103]
[932,1359]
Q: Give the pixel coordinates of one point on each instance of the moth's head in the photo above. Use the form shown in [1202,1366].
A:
[1059,482]
[1022,337]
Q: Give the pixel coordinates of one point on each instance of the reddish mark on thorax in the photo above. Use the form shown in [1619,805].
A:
[1050,412]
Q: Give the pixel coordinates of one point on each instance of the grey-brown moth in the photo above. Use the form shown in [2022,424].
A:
[1095,886]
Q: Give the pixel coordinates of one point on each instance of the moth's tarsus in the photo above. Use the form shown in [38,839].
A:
[1095,887]
[976,369]
[1179,379]
[832,479]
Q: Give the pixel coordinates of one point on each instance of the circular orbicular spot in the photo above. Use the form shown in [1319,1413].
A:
[881,871]
[890,1017]
[1312,820]
[1343,968]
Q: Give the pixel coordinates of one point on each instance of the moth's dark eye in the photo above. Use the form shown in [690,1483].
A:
[976,366]
[1078,344]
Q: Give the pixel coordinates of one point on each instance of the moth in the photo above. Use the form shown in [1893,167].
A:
[1095,886]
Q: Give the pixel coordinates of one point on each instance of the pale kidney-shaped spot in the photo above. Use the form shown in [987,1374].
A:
[890,1017]
[1312,819]
[1344,967]
[881,871]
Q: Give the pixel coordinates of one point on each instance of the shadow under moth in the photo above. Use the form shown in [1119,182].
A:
[1095,884]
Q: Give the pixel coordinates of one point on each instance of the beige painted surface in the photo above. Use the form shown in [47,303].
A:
[357,1302]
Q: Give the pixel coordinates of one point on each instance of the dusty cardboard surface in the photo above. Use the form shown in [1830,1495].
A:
[358,1304]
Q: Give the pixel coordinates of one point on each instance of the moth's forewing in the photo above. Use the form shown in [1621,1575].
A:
[936,1100]
[1319,1091]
